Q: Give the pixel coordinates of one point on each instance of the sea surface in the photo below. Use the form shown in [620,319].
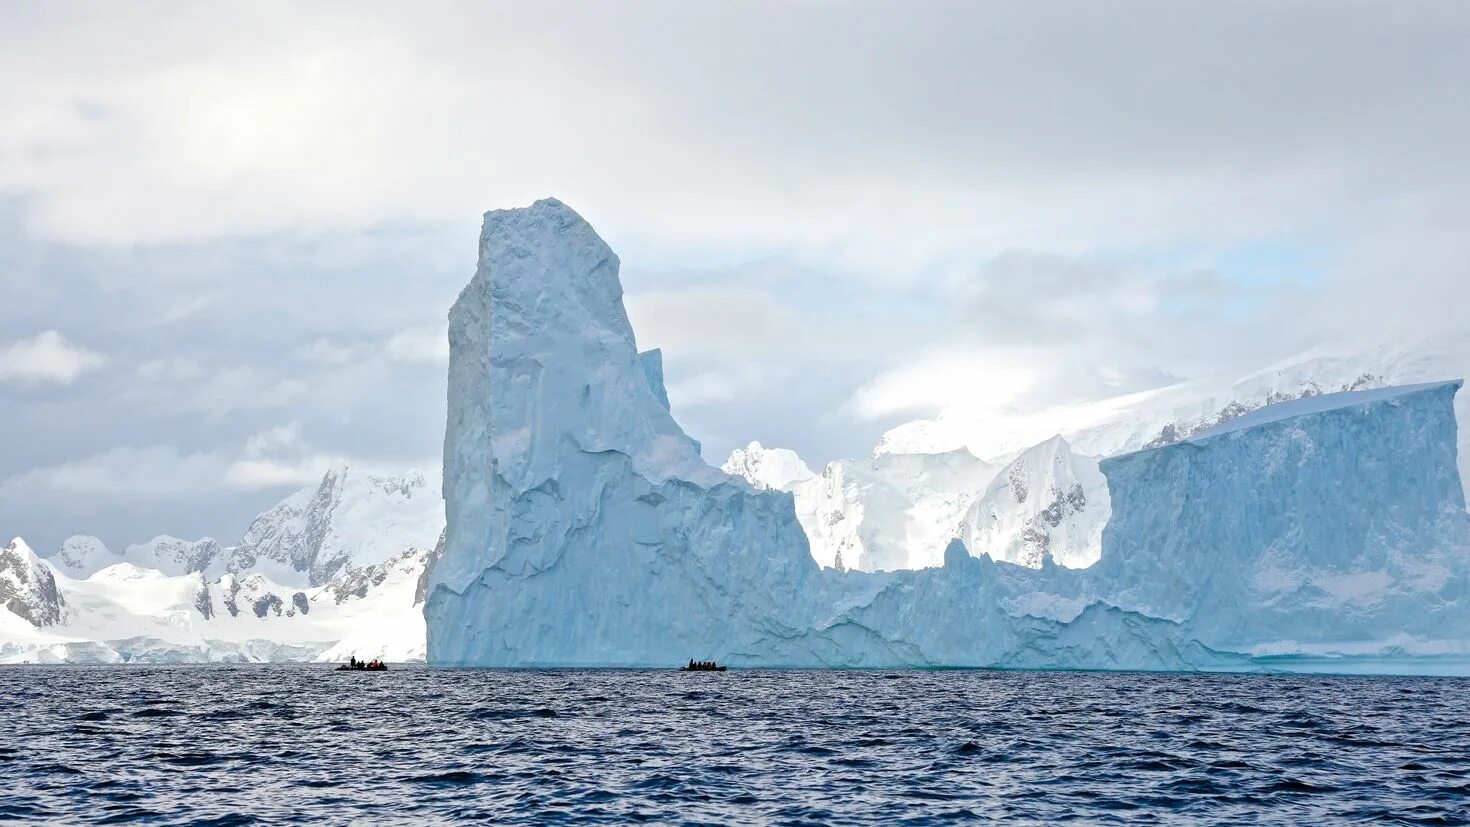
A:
[260,743]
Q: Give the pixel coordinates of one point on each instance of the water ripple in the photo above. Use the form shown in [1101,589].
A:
[269,744]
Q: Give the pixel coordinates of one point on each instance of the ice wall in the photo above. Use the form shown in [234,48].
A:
[1335,520]
[584,529]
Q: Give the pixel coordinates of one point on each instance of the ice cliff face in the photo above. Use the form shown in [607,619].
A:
[1047,503]
[584,530]
[569,488]
[1336,518]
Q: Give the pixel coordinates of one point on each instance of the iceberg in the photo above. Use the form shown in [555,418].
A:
[583,528]
[1336,520]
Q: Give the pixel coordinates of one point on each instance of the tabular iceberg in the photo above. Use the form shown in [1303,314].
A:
[584,529]
[1325,524]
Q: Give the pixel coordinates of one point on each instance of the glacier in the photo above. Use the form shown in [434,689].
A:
[584,529]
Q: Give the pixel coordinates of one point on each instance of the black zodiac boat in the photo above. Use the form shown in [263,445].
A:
[702,666]
[356,665]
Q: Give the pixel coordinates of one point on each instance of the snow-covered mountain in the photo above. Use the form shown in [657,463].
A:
[80,556]
[83,556]
[1048,502]
[28,586]
[890,511]
[887,512]
[778,469]
[354,518]
[174,556]
[367,538]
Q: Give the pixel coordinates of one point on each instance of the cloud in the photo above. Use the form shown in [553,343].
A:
[134,472]
[1023,297]
[279,457]
[868,133]
[720,386]
[275,440]
[251,474]
[46,357]
[170,369]
[830,215]
[1026,331]
[271,459]
[184,307]
[423,344]
[985,381]
[247,387]
[326,352]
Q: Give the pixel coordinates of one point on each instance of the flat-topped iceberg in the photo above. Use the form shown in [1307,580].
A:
[1300,527]
[585,529]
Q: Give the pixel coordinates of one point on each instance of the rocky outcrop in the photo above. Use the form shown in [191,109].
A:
[28,587]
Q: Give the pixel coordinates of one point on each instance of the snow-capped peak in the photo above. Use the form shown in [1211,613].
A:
[174,556]
[353,518]
[889,511]
[1048,502]
[769,468]
[81,556]
[28,585]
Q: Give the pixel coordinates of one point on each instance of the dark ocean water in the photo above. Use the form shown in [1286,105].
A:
[236,744]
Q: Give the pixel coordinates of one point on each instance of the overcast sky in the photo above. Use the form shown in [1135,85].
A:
[229,233]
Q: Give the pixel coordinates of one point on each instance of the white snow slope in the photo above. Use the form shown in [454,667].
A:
[353,518]
[584,530]
[366,538]
[891,511]
[1128,423]
[1047,503]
